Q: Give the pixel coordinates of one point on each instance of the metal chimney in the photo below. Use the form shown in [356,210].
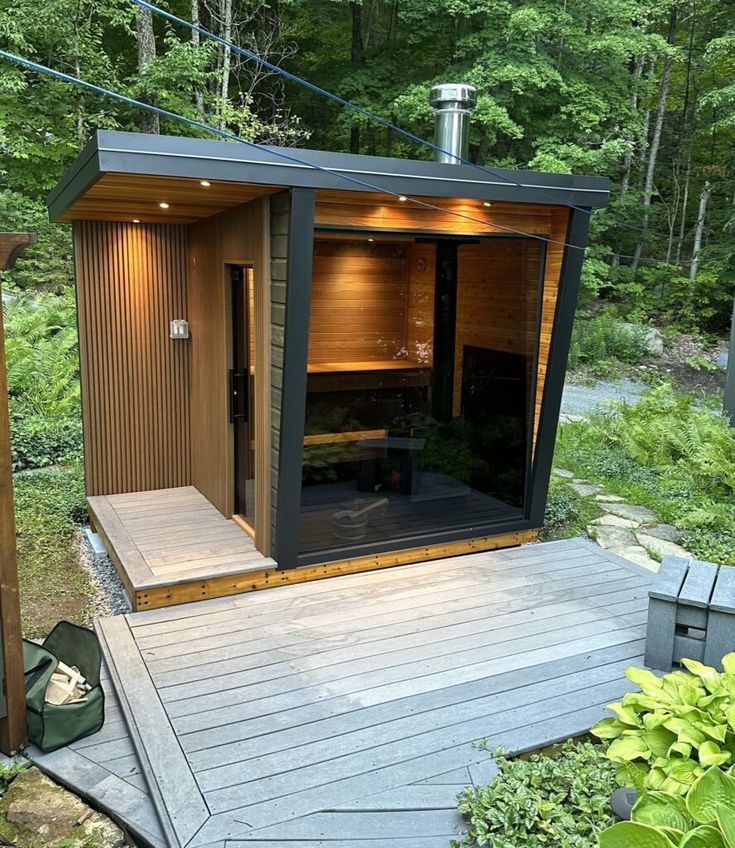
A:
[453,103]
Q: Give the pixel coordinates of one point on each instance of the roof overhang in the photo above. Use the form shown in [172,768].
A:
[195,159]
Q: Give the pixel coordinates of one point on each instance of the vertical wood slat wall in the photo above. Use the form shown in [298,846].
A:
[234,236]
[131,281]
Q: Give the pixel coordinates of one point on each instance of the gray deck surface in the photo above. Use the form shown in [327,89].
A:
[346,713]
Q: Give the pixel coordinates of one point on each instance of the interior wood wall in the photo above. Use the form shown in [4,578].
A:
[231,237]
[131,281]
[420,310]
[358,301]
[471,217]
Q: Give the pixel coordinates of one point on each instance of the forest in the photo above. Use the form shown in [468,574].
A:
[638,91]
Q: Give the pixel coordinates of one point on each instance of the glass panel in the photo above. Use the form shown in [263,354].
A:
[243,377]
[419,391]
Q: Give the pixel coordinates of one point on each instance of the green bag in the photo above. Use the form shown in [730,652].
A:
[51,726]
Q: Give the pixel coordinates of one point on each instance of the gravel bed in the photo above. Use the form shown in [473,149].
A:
[109,597]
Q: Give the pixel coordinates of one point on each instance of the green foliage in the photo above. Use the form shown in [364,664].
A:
[49,507]
[667,735]
[603,339]
[8,772]
[706,819]
[567,513]
[669,452]
[37,442]
[558,801]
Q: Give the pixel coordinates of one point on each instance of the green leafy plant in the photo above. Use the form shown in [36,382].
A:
[667,735]
[600,341]
[558,801]
[704,819]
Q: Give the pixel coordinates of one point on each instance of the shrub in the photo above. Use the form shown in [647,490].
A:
[37,443]
[558,801]
[602,339]
[676,727]
[706,819]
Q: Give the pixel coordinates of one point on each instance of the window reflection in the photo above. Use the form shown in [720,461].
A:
[420,386]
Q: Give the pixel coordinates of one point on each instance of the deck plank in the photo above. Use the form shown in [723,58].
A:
[324,714]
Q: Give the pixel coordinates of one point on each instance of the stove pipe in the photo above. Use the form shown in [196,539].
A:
[453,104]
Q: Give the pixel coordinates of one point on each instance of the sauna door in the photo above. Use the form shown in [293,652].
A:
[242,376]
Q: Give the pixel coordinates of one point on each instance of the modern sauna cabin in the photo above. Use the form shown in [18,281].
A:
[287,374]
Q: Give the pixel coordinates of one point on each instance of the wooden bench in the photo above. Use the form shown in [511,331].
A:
[691,613]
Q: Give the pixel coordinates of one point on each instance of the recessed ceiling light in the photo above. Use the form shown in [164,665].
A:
[402,198]
[487,203]
[371,239]
[163,205]
[205,183]
[136,220]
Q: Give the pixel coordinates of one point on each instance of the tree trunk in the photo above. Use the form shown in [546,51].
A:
[357,56]
[196,41]
[149,121]
[684,205]
[224,91]
[699,231]
[655,141]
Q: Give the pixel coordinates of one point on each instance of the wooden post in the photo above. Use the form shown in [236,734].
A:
[13,723]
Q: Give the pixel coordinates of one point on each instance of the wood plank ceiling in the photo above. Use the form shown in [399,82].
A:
[137,198]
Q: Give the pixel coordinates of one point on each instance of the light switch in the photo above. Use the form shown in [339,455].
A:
[179,329]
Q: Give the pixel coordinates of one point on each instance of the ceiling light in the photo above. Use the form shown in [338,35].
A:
[371,239]
[487,203]
[205,183]
[163,205]
[402,198]
[136,220]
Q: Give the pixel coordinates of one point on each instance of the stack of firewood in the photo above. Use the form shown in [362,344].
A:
[67,686]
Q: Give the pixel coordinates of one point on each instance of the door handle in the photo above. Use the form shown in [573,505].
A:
[235,397]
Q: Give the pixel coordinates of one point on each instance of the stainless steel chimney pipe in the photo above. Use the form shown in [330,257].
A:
[453,104]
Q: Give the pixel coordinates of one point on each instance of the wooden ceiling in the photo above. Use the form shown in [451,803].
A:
[129,197]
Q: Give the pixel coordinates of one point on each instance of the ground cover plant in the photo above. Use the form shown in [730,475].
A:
[672,452]
[545,801]
[602,343]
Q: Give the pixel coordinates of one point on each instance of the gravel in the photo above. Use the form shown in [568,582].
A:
[109,596]
[579,401]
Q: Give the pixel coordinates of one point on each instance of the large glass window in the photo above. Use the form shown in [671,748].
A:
[421,374]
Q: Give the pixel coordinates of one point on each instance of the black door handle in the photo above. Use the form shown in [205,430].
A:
[235,398]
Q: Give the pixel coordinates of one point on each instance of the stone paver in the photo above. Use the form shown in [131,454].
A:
[610,498]
[642,514]
[562,472]
[586,489]
[638,555]
[609,536]
[661,547]
[616,521]
[662,531]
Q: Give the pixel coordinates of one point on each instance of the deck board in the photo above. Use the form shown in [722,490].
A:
[348,711]
[162,538]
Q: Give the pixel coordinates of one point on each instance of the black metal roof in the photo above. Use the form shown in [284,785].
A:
[178,156]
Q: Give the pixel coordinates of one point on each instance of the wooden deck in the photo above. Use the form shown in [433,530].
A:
[345,711]
[173,538]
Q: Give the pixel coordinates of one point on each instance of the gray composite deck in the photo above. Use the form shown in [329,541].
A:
[347,713]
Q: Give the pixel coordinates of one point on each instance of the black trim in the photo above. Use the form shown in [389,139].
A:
[196,158]
[293,392]
[561,337]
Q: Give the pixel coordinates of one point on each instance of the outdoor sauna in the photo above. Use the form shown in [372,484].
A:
[297,363]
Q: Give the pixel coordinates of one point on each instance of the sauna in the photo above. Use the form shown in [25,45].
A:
[287,376]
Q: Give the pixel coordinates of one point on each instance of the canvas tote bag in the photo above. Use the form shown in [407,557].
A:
[52,726]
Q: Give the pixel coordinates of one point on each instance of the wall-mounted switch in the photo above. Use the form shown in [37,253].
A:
[179,329]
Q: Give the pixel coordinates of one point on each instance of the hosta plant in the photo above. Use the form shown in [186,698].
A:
[704,819]
[667,735]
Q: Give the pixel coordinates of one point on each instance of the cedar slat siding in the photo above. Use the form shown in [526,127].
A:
[131,281]
[279,224]
[233,236]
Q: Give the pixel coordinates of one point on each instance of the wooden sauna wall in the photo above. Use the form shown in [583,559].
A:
[463,216]
[420,308]
[235,236]
[131,281]
[358,301]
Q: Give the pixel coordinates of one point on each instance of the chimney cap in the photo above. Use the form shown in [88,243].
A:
[453,94]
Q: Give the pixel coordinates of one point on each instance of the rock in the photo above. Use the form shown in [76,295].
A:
[652,337]
[722,359]
[609,498]
[36,813]
[641,514]
[586,489]
[609,536]
[662,531]
[562,472]
[616,521]
[636,554]
[661,547]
